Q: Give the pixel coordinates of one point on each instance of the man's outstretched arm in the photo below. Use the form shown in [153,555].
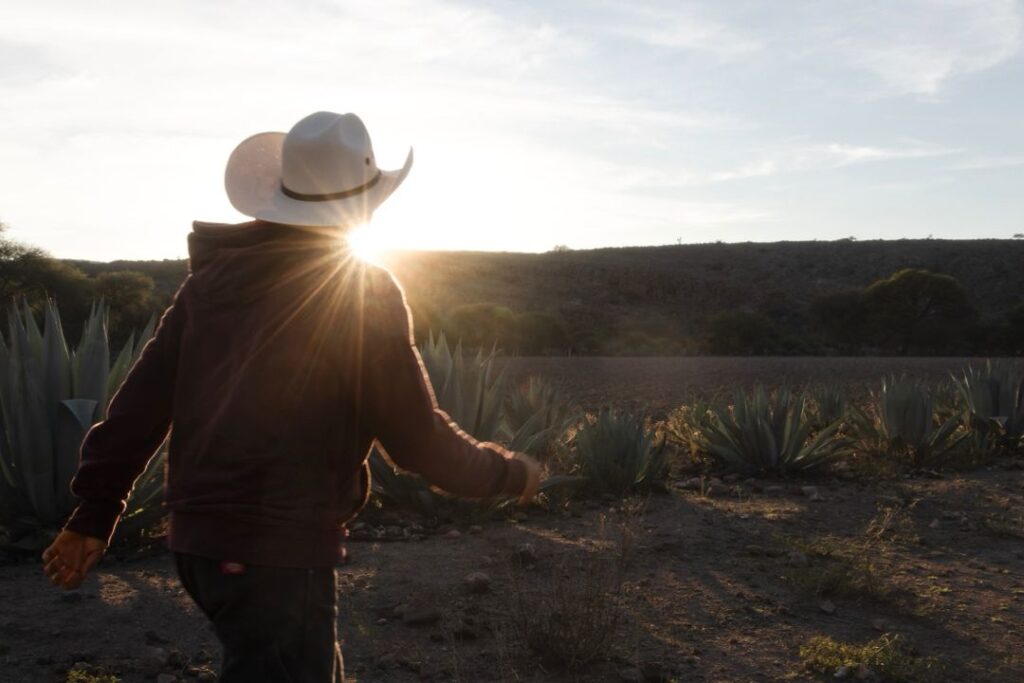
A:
[400,409]
[116,451]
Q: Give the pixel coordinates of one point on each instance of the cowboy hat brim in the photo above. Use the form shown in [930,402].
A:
[253,183]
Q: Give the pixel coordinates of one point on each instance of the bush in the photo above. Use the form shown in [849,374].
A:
[742,333]
[617,453]
[769,434]
[49,398]
[888,657]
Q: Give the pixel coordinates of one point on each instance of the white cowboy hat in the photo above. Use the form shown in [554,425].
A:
[321,173]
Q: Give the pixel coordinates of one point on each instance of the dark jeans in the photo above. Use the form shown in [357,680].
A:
[275,625]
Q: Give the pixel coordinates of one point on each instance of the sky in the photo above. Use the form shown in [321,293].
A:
[534,123]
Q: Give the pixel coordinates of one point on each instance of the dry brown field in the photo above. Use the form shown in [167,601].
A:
[656,386]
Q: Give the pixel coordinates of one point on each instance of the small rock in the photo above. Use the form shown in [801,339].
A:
[394,531]
[477,583]
[934,524]
[692,484]
[454,533]
[842,672]
[864,673]
[175,659]
[797,559]
[155,655]
[526,553]
[204,656]
[731,478]
[476,529]
[773,490]
[827,606]
[881,625]
[810,492]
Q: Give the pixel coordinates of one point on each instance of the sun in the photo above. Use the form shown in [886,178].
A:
[367,244]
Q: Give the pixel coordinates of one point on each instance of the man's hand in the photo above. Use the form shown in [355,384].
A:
[70,557]
[532,478]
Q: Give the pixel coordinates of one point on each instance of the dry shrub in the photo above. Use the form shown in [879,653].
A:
[568,611]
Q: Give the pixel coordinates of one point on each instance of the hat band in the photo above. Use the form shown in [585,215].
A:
[331,196]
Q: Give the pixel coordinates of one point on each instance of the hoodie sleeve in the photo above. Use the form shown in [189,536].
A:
[116,451]
[400,410]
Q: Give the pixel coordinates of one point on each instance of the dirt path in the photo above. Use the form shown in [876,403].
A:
[716,588]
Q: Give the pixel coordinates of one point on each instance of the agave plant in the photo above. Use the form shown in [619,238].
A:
[536,415]
[769,434]
[476,395]
[49,398]
[827,404]
[994,400]
[904,421]
[617,453]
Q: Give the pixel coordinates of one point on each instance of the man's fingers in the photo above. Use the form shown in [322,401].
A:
[90,561]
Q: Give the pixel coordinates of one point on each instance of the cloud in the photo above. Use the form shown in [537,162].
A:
[910,47]
[681,26]
[986,163]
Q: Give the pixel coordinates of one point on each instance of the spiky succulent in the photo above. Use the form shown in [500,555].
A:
[50,396]
[617,453]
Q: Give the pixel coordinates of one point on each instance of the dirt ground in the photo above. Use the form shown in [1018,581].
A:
[713,587]
[656,386]
[710,581]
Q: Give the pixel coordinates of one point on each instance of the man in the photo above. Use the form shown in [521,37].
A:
[279,363]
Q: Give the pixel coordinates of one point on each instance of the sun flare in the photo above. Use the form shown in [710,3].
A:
[366,243]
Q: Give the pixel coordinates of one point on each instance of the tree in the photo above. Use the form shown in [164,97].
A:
[742,333]
[481,325]
[841,317]
[916,309]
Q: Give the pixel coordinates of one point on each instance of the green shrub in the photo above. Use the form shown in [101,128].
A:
[769,434]
[49,398]
[617,453]
[888,657]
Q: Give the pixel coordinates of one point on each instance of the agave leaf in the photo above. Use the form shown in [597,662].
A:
[92,362]
[74,418]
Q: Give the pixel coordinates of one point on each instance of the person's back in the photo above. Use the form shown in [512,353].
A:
[279,364]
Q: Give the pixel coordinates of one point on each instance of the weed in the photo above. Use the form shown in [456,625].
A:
[888,657]
[80,676]
[572,616]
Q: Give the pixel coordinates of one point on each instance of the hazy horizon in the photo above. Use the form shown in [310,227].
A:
[535,124]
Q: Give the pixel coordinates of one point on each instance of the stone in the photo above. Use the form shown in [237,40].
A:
[842,672]
[810,492]
[526,553]
[797,559]
[773,490]
[453,534]
[155,655]
[934,524]
[477,583]
[881,625]
[476,529]
[693,484]
[864,673]
[828,607]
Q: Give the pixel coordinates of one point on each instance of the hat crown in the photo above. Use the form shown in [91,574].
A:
[327,153]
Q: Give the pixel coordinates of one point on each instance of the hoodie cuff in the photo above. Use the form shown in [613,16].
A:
[95,519]
[515,478]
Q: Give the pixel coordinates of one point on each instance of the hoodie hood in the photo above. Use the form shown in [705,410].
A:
[244,261]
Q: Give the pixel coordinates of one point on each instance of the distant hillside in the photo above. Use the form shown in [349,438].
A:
[671,291]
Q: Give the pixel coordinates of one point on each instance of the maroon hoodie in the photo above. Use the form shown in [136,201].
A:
[280,361]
